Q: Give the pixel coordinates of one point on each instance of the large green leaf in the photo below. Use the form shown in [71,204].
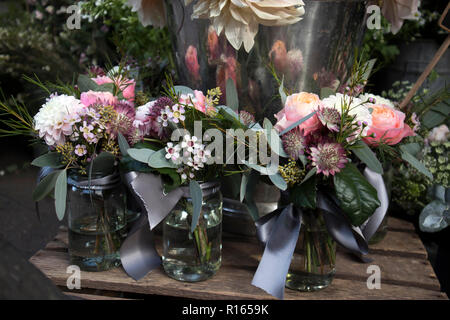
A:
[61,194]
[304,195]
[85,84]
[197,200]
[414,162]
[51,159]
[366,155]
[278,181]
[183,90]
[46,186]
[276,145]
[158,160]
[123,144]
[103,163]
[232,95]
[358,198]
[141,155]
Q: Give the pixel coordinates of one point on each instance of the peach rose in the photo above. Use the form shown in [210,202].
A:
[127,86]
[298,106]
[388,125]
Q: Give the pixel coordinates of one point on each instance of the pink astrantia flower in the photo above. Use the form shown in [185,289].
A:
[294,143]
[328,158]
[329,117]
[97,97]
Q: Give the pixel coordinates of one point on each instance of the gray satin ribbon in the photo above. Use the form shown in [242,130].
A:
[279,232]
[138,253]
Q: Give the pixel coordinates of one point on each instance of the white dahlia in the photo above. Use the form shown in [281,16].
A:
[376,100]
[55,119]
[361,112]
[239,19]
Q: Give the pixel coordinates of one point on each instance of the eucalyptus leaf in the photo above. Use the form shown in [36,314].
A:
[197,200]
[228,113]
[123,144]
[310,174]
[141,155]
[51,159]
[369,67]
[297,123]
[278,181]
[106,87]
[85,84]
[326,92]
[412,148]
[158,160]
[358,198]
[46,186]
[434,217]
[415,163]
[232,95]
[367,156]
[276,145]
[103,163]
[61,194]
[183,90]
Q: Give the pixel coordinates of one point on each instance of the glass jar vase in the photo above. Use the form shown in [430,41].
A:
[96,219]
[195,256]
[313,263]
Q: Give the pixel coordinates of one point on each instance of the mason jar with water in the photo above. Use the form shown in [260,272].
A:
[194,256]
[96,217]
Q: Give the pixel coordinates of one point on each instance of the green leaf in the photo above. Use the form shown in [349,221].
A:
[412,148]
[232,95]
[183,90]
[51,159]
[61,194]
[296,124]
[282,93]
[415,163]
[276,145]
[85,84]
[369,67]
[106,87]
[123,144]
[278,181]
[103,163]
[366,155]
[311,173]
[158,160]
[141,155]
[197,200]
[304,195]
[358,198]
[434,217]
[326,92]
[46,186]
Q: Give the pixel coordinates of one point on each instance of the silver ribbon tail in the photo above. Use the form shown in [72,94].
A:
[138,253]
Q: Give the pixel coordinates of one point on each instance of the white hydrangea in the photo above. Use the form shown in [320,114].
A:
[378,99]
[55,119]
[357,108]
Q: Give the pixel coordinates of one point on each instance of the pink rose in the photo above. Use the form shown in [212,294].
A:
[127,86]
[93,97]
[298,106]
[388,125]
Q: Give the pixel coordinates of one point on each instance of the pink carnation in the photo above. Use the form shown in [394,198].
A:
[127,86]
[97,97]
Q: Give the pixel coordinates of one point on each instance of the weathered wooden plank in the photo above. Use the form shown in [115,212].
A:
[92,296]
[397,243]
[396,224]
[231,282]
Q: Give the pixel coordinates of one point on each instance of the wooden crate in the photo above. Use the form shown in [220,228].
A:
[401,256]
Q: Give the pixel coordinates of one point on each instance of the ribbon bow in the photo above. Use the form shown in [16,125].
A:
[279,232]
